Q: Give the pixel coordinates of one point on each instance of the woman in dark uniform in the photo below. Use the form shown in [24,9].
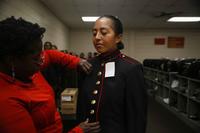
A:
[114,92]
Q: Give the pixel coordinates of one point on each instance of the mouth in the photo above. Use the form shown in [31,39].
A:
[99,45]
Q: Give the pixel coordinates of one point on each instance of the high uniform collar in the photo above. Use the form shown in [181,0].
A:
[109,56]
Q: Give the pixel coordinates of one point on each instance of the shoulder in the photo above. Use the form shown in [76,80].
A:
[130,64]
[93,60]
[129,60]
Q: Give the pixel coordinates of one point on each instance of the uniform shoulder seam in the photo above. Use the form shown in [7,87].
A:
[129,59]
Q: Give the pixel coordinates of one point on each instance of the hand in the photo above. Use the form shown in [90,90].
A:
[85,66]
[93,127]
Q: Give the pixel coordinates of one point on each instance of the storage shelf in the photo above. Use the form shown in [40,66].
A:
[195,125]
[181,97]
[195,99]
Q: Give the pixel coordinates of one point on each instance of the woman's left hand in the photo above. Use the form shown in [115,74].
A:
[85,66]
[87,127]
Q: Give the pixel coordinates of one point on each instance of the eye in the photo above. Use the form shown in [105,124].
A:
[94,32]
[103,32]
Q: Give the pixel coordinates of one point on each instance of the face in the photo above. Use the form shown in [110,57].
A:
[27,65]
[47,46]
[104,38]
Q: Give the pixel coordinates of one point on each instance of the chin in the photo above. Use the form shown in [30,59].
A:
[101,51]
[33,72]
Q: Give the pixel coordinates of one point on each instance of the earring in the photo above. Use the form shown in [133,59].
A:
[13,71]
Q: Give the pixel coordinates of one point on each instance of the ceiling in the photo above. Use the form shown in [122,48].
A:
[133,13]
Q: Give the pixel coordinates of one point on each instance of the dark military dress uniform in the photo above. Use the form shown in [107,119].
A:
[118,102]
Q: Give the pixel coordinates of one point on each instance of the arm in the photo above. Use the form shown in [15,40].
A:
[56,57]
[85,127]
[77,129]
[136,101]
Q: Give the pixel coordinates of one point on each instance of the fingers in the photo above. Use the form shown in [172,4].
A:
[86,70]
[86,121]
[87,127]
[94,127]
[93,124]
[86,66]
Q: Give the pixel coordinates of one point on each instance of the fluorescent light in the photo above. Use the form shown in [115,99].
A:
[184,19]
[90,19]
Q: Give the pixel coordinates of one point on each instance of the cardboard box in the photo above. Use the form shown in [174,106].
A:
[69,101]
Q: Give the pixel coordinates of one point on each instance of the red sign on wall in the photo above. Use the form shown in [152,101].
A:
[176,42]
[159,41]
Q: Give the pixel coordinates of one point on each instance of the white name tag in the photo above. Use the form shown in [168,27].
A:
[110,69]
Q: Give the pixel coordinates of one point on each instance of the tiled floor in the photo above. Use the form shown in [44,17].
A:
[160,120]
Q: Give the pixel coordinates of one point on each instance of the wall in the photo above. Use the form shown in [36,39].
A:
[80,41]
[35,11]
[140,43]
[144,44]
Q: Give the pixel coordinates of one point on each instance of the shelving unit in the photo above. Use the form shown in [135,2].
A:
[179,94]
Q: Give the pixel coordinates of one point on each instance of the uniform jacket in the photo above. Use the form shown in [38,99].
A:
[118,102]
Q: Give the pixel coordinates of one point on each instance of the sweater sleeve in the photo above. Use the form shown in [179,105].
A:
[57,57]
[77,129]
[136,101]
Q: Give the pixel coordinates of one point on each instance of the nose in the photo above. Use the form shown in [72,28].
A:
[98,36]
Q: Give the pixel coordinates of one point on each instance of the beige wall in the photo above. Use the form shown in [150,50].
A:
[140,43]
[35,11]
[80,41]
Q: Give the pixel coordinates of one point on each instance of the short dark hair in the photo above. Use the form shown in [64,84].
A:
[16,36]
[117,27]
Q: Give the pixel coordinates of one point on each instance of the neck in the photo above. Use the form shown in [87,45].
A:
[109,56]
[6,69]
[109,52]
[25,80]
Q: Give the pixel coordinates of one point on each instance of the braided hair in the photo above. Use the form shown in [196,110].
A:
[16,36]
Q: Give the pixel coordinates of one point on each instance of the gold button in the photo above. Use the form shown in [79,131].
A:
[123,56]
[92,111]
[95,92]
[102,64]
[98,82]
[93,101]
[99,73]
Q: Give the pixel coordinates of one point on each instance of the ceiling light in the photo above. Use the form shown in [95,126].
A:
[184,19]
[90,19]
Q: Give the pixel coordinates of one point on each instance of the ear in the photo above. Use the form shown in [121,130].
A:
[118,38]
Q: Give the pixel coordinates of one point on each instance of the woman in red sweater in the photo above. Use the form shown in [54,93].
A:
[27,100]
